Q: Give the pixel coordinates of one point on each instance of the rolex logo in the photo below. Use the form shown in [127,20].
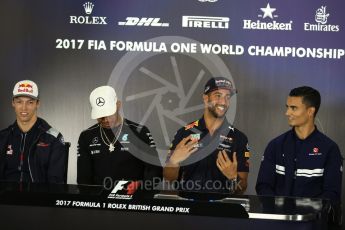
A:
[91,20]
[88,6]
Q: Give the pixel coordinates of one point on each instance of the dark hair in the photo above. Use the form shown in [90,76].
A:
[310,96]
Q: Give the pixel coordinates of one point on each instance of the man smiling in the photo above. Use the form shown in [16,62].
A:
[302,162]
[209,154]
[31,150]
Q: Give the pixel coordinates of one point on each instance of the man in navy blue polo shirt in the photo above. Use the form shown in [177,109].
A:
[209,154]
[302,162]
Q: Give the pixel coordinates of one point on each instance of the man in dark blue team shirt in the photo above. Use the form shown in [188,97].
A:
[209,154]
[302,162]
[30,149]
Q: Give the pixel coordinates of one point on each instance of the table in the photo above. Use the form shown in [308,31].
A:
[40,206]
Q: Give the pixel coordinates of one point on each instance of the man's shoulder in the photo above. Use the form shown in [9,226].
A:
[191,125]
[53,132]
[90,130]
[5,131]
[48,129]
[137,128]
[236,132]
[286,136]
[132,124]
[323,138]
[189,128]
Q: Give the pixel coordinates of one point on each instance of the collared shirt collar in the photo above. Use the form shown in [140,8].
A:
[17,130]
[311,135]
[225,125]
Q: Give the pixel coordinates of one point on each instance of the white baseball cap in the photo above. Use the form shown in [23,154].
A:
[103,102]
[26,88]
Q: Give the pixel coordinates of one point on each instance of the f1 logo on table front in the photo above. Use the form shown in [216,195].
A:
[124,190]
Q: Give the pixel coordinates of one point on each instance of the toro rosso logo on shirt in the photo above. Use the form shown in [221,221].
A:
[315,152]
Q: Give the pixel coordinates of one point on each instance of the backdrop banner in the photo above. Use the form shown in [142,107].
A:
[158,55]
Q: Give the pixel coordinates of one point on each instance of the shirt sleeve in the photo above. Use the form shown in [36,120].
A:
[243,154]
[84,162]
[57,161]
[267,176]
[153,169]
[333,175]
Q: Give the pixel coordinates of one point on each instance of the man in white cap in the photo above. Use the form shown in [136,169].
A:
[114,148]
[31,150]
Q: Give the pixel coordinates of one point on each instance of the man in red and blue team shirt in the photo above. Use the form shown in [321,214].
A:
[209,154]
[302,162]
[30,149]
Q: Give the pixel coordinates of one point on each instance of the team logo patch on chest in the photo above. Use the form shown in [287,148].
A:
[124,139]
[192,125]
[95,142]
[9,150]
[196,137]
[225,142]
[315,152]
[226,139]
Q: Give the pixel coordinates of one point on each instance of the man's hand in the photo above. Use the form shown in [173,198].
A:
[183,150]
[226,166]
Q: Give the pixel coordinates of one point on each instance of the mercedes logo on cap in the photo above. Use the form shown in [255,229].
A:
[100,101]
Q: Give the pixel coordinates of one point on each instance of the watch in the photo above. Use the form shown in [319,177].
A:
[233,185]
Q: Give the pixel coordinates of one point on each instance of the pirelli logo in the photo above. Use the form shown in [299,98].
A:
[205,22]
